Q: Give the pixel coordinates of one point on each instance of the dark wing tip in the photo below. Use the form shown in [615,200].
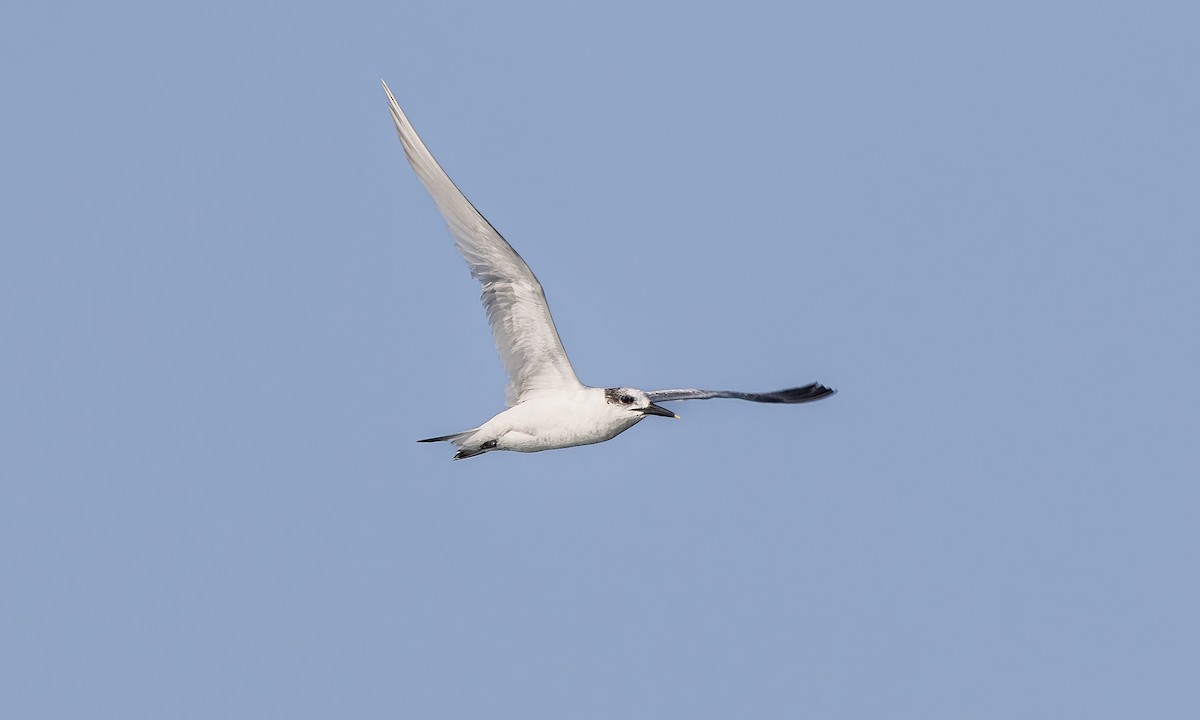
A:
[807,393]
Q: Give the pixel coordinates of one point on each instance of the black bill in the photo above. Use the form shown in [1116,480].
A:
[659,410]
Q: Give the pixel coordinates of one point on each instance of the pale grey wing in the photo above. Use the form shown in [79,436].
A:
[807,393]
[532,354]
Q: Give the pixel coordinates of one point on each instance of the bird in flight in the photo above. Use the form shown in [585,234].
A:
[548,408]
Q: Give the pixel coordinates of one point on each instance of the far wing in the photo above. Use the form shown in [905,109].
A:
[807,393]
[532,354]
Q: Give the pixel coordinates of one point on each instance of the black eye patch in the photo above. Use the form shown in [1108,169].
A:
[615,396]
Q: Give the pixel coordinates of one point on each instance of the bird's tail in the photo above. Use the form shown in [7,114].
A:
[457,438]
[460,440]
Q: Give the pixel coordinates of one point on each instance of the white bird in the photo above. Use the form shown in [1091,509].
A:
[548,408]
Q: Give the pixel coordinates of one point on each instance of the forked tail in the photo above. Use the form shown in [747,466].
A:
[457,438]
[460,440]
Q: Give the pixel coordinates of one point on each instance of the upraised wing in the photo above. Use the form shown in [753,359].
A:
[532,354]
[807,393]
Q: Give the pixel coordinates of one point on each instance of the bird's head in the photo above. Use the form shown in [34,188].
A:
[635,401]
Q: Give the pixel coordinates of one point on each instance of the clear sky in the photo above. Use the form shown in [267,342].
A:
[229,308]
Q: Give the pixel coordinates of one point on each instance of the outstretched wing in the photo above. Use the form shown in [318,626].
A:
[807,393]
[532,354]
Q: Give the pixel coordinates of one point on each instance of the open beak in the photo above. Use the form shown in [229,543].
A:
[653,409]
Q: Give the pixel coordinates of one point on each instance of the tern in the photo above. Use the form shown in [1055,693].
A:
[548,408]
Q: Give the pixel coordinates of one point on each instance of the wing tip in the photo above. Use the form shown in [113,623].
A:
[805,393]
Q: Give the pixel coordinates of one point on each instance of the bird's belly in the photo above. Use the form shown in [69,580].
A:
[536,439]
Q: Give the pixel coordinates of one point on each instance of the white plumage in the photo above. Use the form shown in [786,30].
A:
[548,407]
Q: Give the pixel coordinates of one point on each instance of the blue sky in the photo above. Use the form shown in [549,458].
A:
[230,308]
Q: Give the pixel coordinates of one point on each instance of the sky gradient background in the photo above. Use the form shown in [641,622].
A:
[228,309]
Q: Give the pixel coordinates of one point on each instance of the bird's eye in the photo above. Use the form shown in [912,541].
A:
[626,399]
